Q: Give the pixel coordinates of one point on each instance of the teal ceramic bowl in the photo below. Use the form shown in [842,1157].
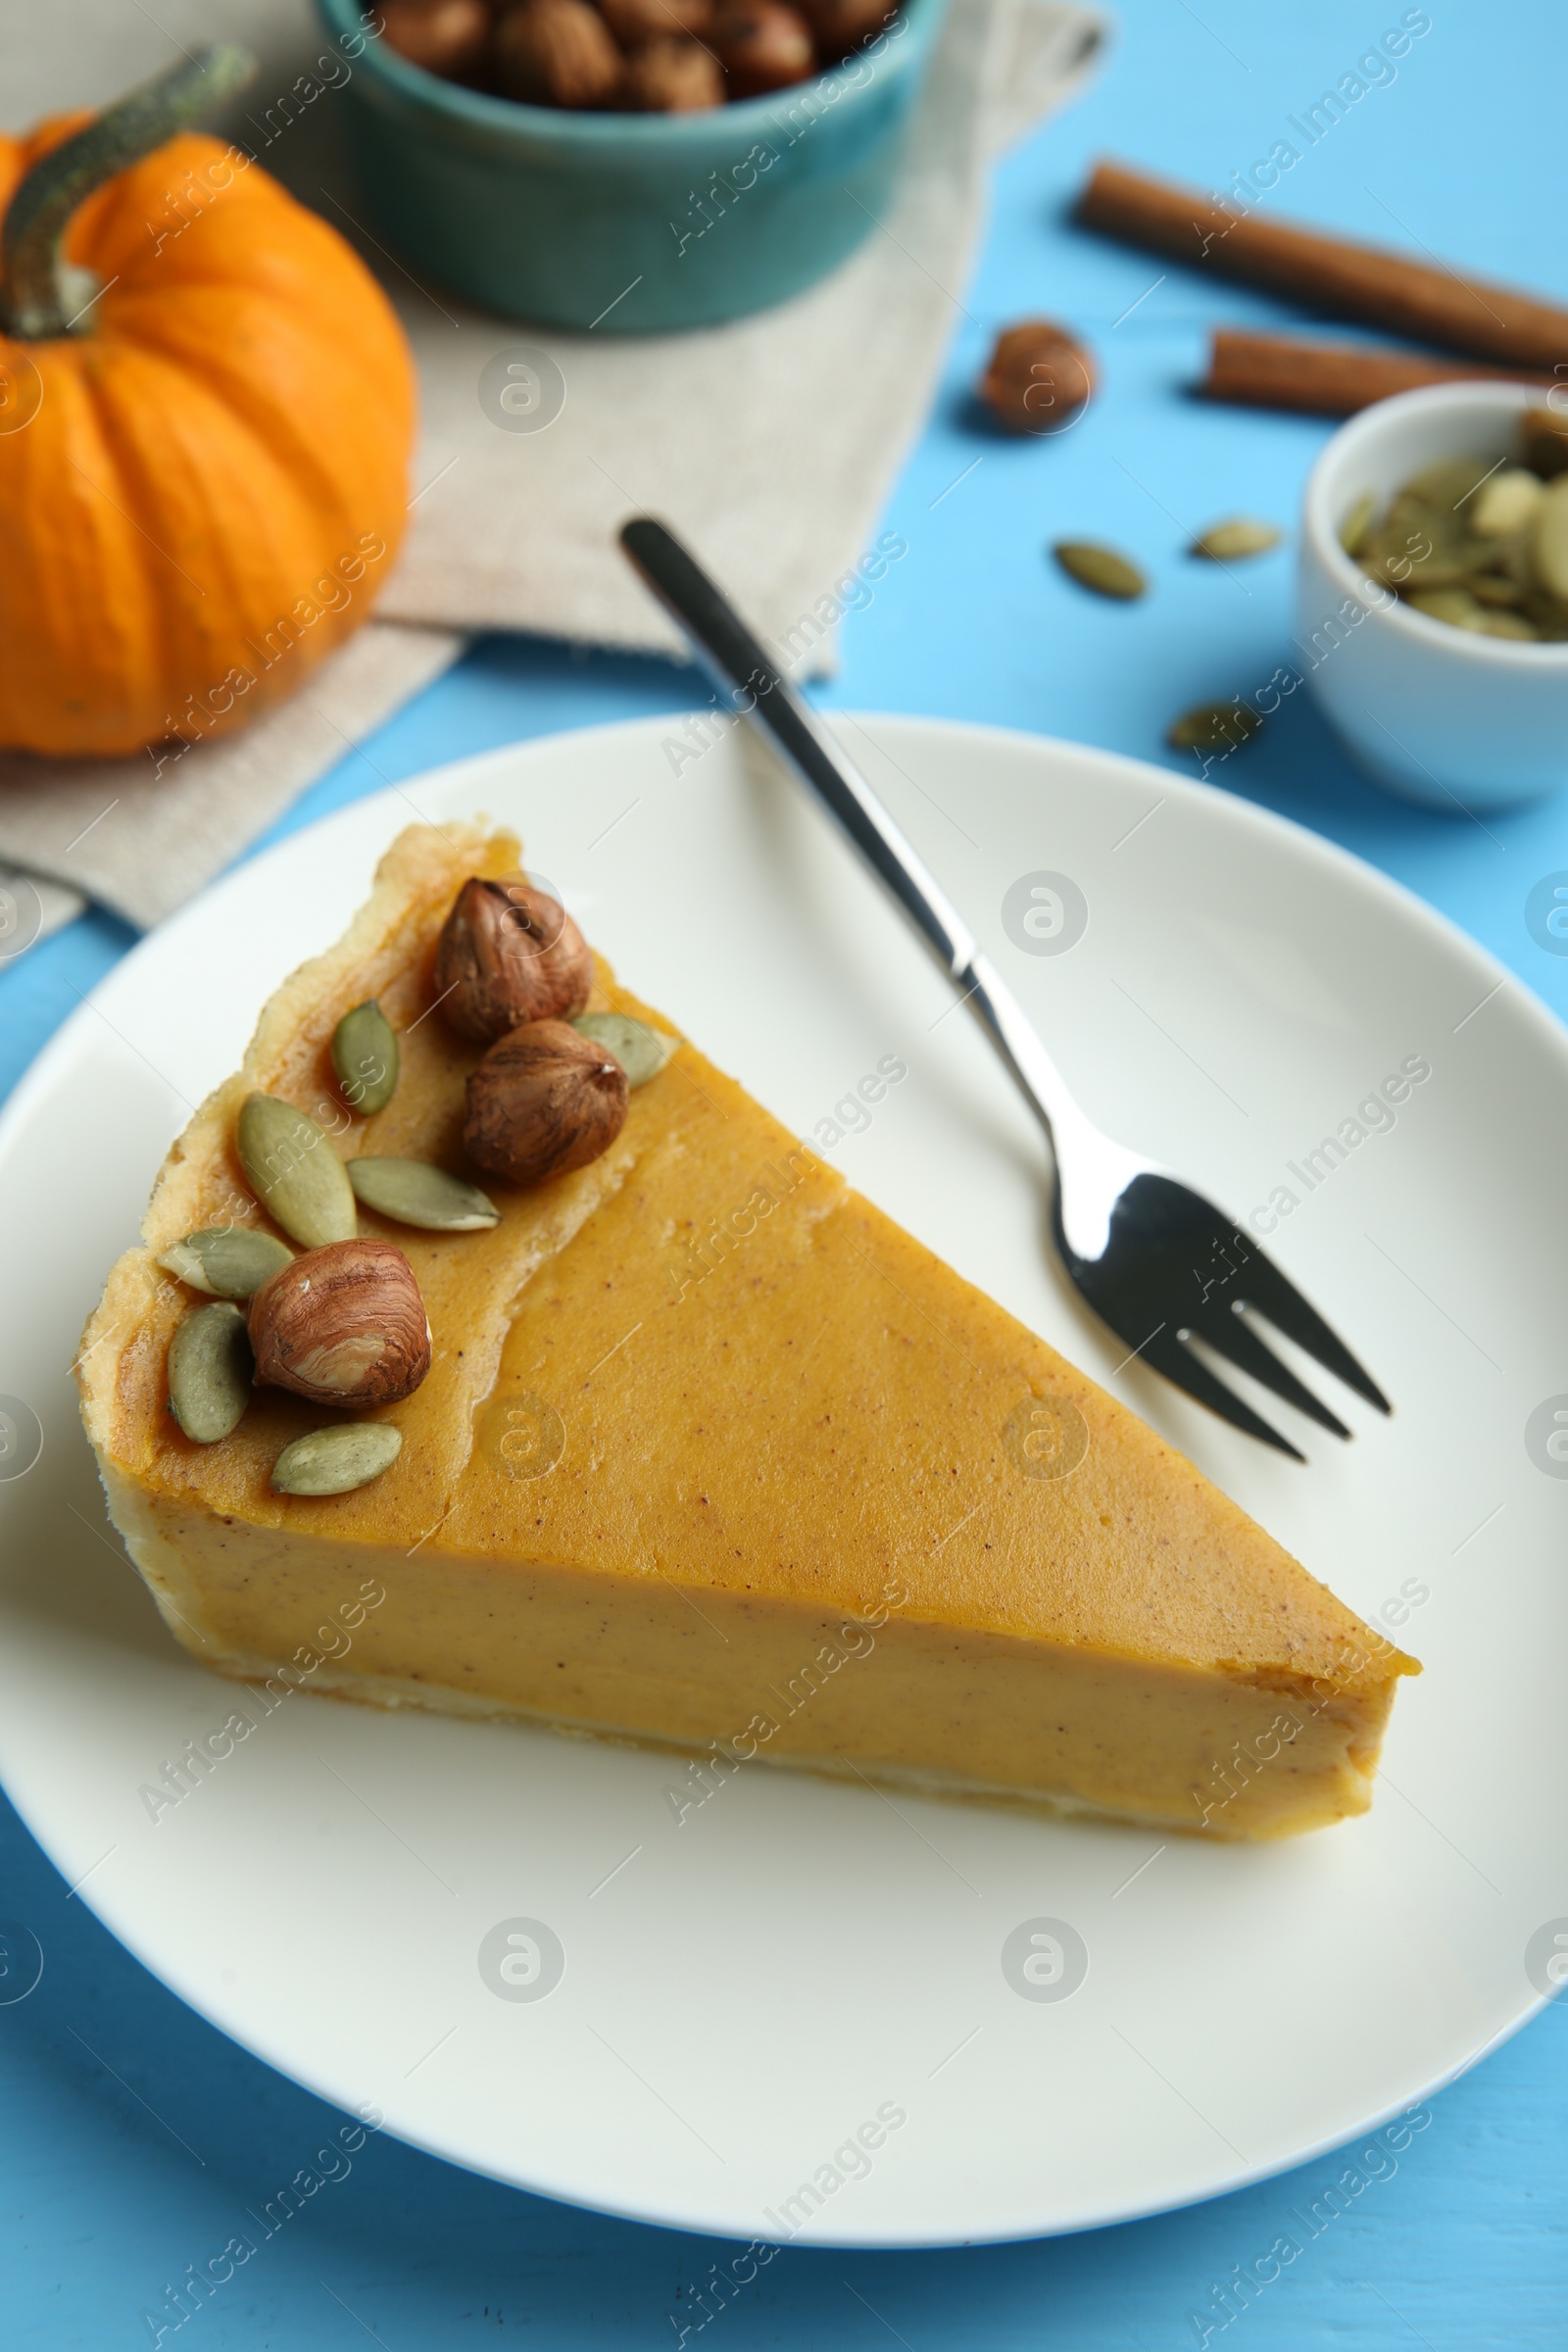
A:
[630,223]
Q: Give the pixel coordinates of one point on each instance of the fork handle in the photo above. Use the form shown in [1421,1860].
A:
[755,687]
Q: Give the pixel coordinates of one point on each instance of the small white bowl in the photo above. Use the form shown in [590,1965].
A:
[1438,714]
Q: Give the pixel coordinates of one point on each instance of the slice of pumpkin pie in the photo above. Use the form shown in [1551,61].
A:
[480,1293]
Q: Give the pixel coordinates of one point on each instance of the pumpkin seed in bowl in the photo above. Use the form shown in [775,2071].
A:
[1477,547]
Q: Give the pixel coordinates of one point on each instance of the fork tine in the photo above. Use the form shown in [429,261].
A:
[1265,1287]
[1226,1333]
[1164,1352]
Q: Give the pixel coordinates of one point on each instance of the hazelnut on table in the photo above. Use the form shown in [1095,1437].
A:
[762,46]
[672,76]
[1037,379]
[448,37]
[556,53]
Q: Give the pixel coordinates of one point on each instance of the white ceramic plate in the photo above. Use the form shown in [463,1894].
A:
[745,1988]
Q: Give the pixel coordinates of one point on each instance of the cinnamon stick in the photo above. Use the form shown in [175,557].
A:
[1329,379]
[1348,281]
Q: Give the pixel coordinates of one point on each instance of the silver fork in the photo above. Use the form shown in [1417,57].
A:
[1155,1260]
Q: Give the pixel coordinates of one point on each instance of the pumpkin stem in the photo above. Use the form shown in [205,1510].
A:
[41,291]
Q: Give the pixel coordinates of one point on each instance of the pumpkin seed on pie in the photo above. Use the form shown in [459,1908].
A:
[410,1191]
[337,1460]
[294,1172]
[1100,570]
[210,1371]
[228,1261]
[365,1055]
[641,1052]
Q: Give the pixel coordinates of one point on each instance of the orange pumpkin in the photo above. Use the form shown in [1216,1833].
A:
[202,486]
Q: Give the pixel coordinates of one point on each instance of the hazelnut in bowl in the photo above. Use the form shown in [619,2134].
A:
[634,166]
[1431,595]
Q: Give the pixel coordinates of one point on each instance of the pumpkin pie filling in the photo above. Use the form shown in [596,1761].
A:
[711,1453]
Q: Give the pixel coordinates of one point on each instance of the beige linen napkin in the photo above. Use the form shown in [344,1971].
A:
[771,444]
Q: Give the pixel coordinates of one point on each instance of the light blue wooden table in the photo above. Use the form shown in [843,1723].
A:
[103,2202]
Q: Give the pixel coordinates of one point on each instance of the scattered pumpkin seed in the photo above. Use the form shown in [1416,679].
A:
[1225,542]
[1506,504]
[1100,570]
[365,1055]
[1353,529]
[413,1193]
[641,1052]
[1214,728]
[294,1172]
[1496,588]
[209,1369]
[336,1460]
[227,1261]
